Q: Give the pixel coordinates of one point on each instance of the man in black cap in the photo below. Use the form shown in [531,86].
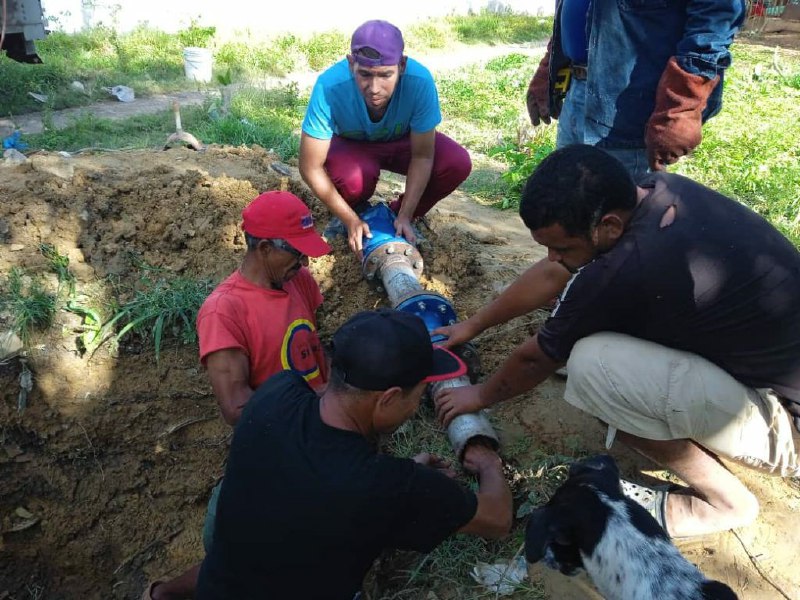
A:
[308,503]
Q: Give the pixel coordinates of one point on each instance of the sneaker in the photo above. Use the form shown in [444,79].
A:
[652,499]
[335,227]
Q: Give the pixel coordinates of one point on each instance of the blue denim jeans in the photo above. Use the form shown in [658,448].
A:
[571,124]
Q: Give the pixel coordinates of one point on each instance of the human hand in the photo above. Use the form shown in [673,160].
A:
[538,96]
[478,457]
[675,127]
[435,462]
[356,231]
[452,402]
[402,227]
[457,334]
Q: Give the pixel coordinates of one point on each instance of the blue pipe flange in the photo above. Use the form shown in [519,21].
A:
[432,308]
[384,245]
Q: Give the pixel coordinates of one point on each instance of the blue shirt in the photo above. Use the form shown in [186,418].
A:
[337,107]
[575,39]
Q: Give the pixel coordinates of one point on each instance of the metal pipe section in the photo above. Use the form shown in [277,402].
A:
[398,265]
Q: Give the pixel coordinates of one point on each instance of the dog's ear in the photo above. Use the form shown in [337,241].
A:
[716,590]
[609,463]
[545,529]
[537,534]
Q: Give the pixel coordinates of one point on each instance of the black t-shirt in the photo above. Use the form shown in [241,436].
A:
[306,508]
[719,281]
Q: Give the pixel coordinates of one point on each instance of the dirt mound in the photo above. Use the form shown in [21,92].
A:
[106,474]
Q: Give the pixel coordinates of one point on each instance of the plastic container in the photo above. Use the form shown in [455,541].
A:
[197,64]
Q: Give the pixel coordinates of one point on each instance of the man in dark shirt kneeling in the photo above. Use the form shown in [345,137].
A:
[680,329]
[307,503]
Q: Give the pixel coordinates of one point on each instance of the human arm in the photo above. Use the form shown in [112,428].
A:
[435,462]
[493,517]
[229,372]
[524,369]
[689,79]
[419,173]
[313,154]
[534,288]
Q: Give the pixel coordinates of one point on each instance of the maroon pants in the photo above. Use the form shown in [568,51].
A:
[354,167]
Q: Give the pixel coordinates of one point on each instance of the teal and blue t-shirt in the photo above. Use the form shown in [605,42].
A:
[337,107]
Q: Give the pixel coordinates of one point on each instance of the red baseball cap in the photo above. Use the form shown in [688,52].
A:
[283,215]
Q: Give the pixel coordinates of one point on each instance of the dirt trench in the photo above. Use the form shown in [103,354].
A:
[115,454]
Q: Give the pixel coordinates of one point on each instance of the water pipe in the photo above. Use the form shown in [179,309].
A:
[398,265]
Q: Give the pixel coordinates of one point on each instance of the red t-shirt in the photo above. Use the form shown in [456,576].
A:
[276,329]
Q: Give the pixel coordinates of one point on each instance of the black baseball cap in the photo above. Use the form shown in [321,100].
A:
[380,349]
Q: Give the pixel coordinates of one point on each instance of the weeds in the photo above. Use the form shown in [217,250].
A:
[521,160]
[195,36]
[490,27]
[534,475]
[59,264]
[749,151]
[29,305]
[160,308]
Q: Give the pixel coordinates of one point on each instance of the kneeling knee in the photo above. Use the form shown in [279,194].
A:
[741,511]
[749,509]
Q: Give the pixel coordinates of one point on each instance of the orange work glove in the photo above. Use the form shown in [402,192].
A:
[674,128]
[538,98]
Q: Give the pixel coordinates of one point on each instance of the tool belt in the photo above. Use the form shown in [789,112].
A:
[565,76]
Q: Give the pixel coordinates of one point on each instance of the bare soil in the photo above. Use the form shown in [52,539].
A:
[104,456]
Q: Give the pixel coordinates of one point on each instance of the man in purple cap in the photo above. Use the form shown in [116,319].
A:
[378,109]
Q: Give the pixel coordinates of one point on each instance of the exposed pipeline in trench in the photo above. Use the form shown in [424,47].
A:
[397,264]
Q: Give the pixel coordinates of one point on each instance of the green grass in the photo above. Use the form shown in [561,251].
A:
[534,475]
[501,28]
[59,265]
[151,61]
[267,117]
[28,303]
[161,308]
[484,105]
[750,150]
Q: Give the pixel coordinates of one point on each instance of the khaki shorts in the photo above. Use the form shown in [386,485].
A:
[659,393]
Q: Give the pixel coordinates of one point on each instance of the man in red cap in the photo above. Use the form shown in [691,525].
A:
[261,320]
[378,109]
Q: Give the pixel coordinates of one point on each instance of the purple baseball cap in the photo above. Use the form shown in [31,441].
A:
[377,43]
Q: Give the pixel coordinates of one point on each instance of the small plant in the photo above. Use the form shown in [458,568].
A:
[163,307]
[196,36]
[59,264]
[521,160]
[27,302]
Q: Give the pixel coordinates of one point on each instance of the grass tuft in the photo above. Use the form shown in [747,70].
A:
[29,305]
[59,264]
[160,309]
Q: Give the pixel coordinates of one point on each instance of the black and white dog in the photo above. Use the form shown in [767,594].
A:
[589,523]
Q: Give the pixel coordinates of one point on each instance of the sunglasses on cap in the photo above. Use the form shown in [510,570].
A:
[285,246]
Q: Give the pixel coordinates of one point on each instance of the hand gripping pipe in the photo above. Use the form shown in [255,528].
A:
[398,265]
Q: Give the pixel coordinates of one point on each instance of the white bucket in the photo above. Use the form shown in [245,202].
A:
[197,63]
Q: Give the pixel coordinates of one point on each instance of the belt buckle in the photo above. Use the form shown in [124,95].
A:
[579,72]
